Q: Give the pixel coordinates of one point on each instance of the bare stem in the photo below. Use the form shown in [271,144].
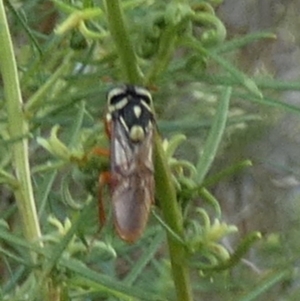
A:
[166,195]
[165,191]
[122,41]
[18,131]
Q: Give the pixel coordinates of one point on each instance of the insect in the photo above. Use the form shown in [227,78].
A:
[130,126]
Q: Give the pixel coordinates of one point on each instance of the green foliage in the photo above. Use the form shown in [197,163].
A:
[179,50]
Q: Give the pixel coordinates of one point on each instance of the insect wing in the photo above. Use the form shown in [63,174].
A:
[132,182]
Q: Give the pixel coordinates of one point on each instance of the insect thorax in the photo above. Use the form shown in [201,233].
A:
[131,106]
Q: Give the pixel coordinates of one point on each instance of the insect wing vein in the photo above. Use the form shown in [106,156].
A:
[133,189]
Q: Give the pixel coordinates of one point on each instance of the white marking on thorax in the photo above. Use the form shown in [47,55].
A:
[137,111]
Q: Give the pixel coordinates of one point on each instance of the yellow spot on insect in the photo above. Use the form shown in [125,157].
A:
[108,117]
[137,111]
[136,133]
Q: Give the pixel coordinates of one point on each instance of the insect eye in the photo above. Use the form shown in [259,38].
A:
[146,98]
[116,99]
[144,95]
[115,95]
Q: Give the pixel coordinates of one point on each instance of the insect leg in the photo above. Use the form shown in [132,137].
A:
[100,152]
[104,180]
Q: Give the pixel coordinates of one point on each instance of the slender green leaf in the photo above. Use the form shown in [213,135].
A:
[213,140]
[267,284]
[111,285]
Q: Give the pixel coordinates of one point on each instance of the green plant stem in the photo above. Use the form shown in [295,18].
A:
[23,23]
[18,130]
[165,191]
[166,195]
[121,38]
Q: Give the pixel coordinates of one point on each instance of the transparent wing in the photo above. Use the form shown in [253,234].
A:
[132,182]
